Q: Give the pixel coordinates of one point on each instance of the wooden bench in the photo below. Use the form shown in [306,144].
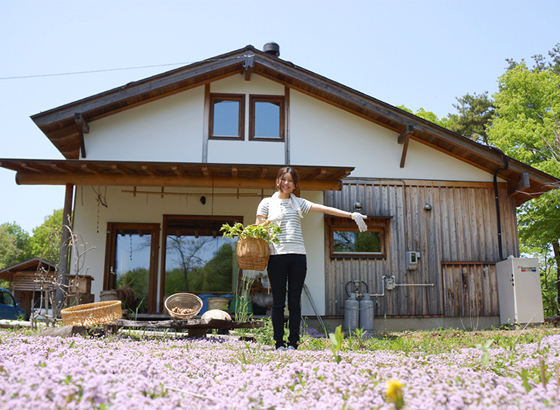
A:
[195,327]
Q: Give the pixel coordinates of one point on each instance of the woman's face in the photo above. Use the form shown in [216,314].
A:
[286,183]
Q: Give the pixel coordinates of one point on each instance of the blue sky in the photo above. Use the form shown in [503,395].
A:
[421,54]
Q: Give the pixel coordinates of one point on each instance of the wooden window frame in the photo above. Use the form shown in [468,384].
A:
[216,97]
[110,248]
[279,99]
[375,224]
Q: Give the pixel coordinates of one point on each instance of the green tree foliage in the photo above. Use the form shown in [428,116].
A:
[426,115]
[527,127]
[14,245]
[474,114]
[45,241]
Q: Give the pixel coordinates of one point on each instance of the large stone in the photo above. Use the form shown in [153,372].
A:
[64,331]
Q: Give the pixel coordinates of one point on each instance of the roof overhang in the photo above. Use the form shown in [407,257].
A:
[168,174]
[65,125]
[31,264]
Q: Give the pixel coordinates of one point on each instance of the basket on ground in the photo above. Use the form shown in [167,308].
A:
[183,305]
[92,314]
[252,254]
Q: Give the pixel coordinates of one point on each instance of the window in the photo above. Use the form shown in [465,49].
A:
[266,116]
[346,241]
[196,257]
[227,116]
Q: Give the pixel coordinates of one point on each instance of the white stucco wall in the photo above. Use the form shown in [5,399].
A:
[124,207]
[321,134]
[169,129]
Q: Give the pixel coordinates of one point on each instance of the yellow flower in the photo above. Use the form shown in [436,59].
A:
[394,393]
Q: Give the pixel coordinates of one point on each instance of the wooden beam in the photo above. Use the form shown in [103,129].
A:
[205,171]
[521,185]
[45,178]
[61,168]
[234,172]
[342,174]
[264,171]
[404,150]
[91,168]
[176,169]
[248,66]
[316,173]
[30,168]
[150,170]
[83,129]
[405,134]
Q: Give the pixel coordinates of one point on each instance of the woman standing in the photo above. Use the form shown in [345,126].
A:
[288,264]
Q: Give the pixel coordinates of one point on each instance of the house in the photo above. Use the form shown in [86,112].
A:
[153,169]
[29,278]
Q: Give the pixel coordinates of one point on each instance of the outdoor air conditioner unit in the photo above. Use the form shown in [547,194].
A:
[519,291]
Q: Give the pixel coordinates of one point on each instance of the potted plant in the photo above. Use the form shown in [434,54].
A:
[253,246]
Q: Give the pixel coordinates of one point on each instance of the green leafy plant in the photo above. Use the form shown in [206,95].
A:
[266,231]
[336,343]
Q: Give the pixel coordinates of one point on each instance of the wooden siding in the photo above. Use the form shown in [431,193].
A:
[461,227]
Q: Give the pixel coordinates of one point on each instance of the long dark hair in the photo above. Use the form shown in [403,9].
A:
[291,171]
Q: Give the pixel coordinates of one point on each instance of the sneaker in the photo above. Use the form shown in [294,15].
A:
[291,348]
[281,349]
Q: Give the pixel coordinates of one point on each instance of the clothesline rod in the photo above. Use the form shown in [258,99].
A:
[194,193]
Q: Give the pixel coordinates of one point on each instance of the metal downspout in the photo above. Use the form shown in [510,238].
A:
[497,198]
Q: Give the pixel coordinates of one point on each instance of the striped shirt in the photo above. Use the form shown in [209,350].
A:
[291,238]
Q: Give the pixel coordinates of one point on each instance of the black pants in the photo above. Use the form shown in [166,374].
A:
[287,269]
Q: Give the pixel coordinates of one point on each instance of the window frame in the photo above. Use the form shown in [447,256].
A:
[374,224]
[218,97]
[280,100]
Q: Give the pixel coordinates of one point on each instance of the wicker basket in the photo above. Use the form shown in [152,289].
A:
[92,314]
[183,301]
[252,254]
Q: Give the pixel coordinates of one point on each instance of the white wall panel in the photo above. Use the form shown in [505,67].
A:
[321,134]
[169,129]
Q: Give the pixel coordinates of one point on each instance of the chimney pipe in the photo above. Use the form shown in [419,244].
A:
[272,48]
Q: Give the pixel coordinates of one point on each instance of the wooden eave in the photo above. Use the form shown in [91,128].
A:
[168,174]
[31,264]
[61,128]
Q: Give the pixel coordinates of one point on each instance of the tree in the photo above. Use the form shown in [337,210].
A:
[474,114]
[426,115]
[45,242]
[527,127]
[14,245]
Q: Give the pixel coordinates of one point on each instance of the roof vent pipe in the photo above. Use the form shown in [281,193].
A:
[272,49]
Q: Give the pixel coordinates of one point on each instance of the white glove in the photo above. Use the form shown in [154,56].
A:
[359,219]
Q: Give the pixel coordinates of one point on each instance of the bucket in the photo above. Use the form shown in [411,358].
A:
[218,303]
[205,297]
[252,254]
[106,295]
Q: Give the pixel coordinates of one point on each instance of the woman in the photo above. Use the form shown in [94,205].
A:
[288,263]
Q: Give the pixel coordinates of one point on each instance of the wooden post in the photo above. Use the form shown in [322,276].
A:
[64,245]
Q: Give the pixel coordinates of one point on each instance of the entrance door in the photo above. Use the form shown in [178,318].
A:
[131,262]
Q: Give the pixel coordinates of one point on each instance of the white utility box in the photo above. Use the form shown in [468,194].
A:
[519,291]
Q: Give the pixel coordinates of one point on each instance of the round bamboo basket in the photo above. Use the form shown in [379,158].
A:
[252,254]
[183,301]
[92,314]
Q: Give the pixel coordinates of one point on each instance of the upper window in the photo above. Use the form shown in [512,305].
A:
[266,116]
[227,114]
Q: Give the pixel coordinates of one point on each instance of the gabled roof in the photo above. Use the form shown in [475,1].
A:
[65,125]
[30,264]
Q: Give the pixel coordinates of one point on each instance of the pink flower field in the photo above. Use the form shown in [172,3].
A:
[124,373]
